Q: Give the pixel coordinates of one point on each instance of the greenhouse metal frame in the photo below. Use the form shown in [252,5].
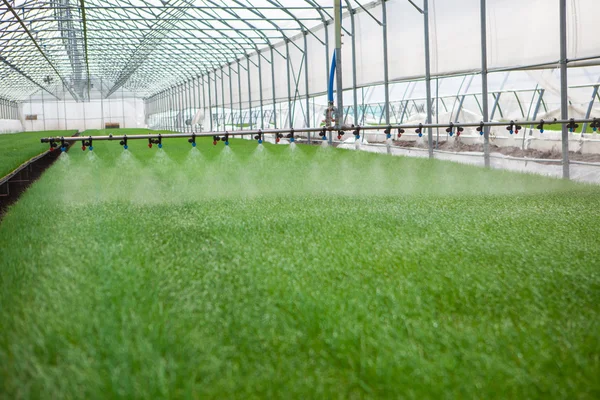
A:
[215,65]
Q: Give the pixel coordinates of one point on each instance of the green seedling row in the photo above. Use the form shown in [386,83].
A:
[233,272]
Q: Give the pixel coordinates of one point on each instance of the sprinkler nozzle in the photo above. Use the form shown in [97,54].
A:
[63,145]
[124,142]
[356,133]
[388,132]
[290,136]
[450,129]
[541,126]
[419,130]
[480,128]
[155,141]
[89,144]
[400,132]
[513,128]
[192,140]
[572,125]
[595,125]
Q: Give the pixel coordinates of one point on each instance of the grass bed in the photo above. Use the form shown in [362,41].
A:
[314,273]
[16,148]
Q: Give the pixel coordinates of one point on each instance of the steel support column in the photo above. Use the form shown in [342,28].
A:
[428,75]
[250,92]
[484,84]
[306,84]
[289,84]
[216,101]
[273,82]
[260,92]
[564,101]
[338,68]
[386,79]
[210,115]
[223,98]
[354,90]
[230,96]
[239,72]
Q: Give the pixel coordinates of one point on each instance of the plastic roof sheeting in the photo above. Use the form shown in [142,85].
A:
[145,46]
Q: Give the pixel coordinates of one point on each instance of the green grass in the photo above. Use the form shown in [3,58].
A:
[16,148]
[319,273]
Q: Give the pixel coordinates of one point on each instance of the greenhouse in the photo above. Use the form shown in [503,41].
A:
[299,199]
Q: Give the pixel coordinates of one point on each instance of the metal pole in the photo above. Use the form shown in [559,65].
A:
[306,85]
[589,109]
[338,65]
[260,92]
[250,92]
[188,91]
[273,81]
[43,110]
[209,102]
[216,101]
[184,98]
[241,121]
[182,106]
[484,85]
[428,76]
[564,101]
[289,87]
[195,107]
[101,106]
[230,96]
[122,104]
[65,107]
[170,97]
[385,62]
[223,98]
[354,91]
[204,97]
[84,118]
[327,71]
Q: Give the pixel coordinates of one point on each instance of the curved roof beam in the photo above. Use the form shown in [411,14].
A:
[303,28]
[267,39]
[124,77]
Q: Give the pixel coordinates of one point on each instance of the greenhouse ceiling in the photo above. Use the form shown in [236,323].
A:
[140,45]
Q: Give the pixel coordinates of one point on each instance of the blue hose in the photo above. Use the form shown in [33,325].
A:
[332,72]
[331,79]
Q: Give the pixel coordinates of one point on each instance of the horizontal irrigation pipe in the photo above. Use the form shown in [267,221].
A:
[452,127]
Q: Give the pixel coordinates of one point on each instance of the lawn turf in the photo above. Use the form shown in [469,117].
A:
[16,148]
[318,273]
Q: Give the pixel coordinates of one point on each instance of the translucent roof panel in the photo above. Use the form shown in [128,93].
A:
[142,45]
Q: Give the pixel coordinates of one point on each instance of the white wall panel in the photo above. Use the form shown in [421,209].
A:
[369,47]
[83,116]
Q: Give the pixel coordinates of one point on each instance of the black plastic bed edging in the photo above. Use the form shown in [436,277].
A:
[13,185]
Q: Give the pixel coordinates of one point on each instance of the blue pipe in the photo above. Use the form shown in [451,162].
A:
[331,79]
[332,72]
